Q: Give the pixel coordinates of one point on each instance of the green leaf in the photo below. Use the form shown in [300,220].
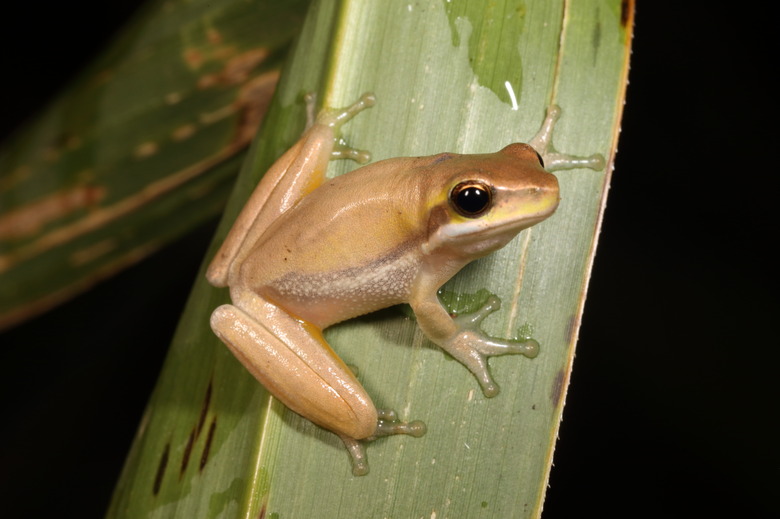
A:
[213,442]
[141,148]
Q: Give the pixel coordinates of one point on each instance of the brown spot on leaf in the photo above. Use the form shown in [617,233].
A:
[145,149]
[214,36]
[556,391]
[596,39]
[204,408]
[217,115]
[626,8]
[161,469]
[183,132]
[207,448]
[92,252]
[185,460]
[236,69]
[30,218]
[173,98]
[253,102]
[223,53]
[194,58]
[571,327]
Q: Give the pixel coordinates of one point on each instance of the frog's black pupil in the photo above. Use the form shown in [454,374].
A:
[471,199]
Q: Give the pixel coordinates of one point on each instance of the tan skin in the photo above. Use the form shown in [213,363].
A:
[307,252]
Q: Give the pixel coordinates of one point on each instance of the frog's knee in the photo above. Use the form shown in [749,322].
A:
[221,317]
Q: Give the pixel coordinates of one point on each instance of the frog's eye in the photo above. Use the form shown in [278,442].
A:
[471,198]
[541,160]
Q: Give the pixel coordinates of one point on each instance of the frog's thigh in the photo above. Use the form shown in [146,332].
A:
[297,366]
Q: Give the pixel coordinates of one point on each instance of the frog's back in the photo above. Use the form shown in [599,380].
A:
[344,250]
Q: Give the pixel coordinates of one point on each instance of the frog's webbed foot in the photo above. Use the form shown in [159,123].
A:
[554,161]
[335,118]
[387,424]
[472,347]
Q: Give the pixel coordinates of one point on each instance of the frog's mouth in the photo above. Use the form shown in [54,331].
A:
[514,213]
[480,236]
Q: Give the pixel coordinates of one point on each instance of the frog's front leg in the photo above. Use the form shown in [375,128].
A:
[554,161]
[297,366]
[462,337]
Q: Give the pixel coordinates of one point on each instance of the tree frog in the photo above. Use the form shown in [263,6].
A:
[309,251]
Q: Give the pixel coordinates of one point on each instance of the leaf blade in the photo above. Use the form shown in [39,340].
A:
[480,457]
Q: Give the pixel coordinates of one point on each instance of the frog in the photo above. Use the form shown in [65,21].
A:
[308,251]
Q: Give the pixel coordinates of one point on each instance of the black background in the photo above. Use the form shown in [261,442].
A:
[672,408]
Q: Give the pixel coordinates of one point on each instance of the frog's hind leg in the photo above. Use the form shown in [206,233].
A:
[293,361]
[297,366]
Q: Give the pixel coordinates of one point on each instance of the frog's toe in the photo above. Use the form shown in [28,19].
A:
[554,161]
[357,455]
[336,117]
[345,152]
[389,424]
[527,347]
[473,320]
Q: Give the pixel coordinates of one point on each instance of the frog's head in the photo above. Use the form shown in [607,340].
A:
[489,199]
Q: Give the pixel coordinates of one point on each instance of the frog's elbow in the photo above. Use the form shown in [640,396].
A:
[217,274]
